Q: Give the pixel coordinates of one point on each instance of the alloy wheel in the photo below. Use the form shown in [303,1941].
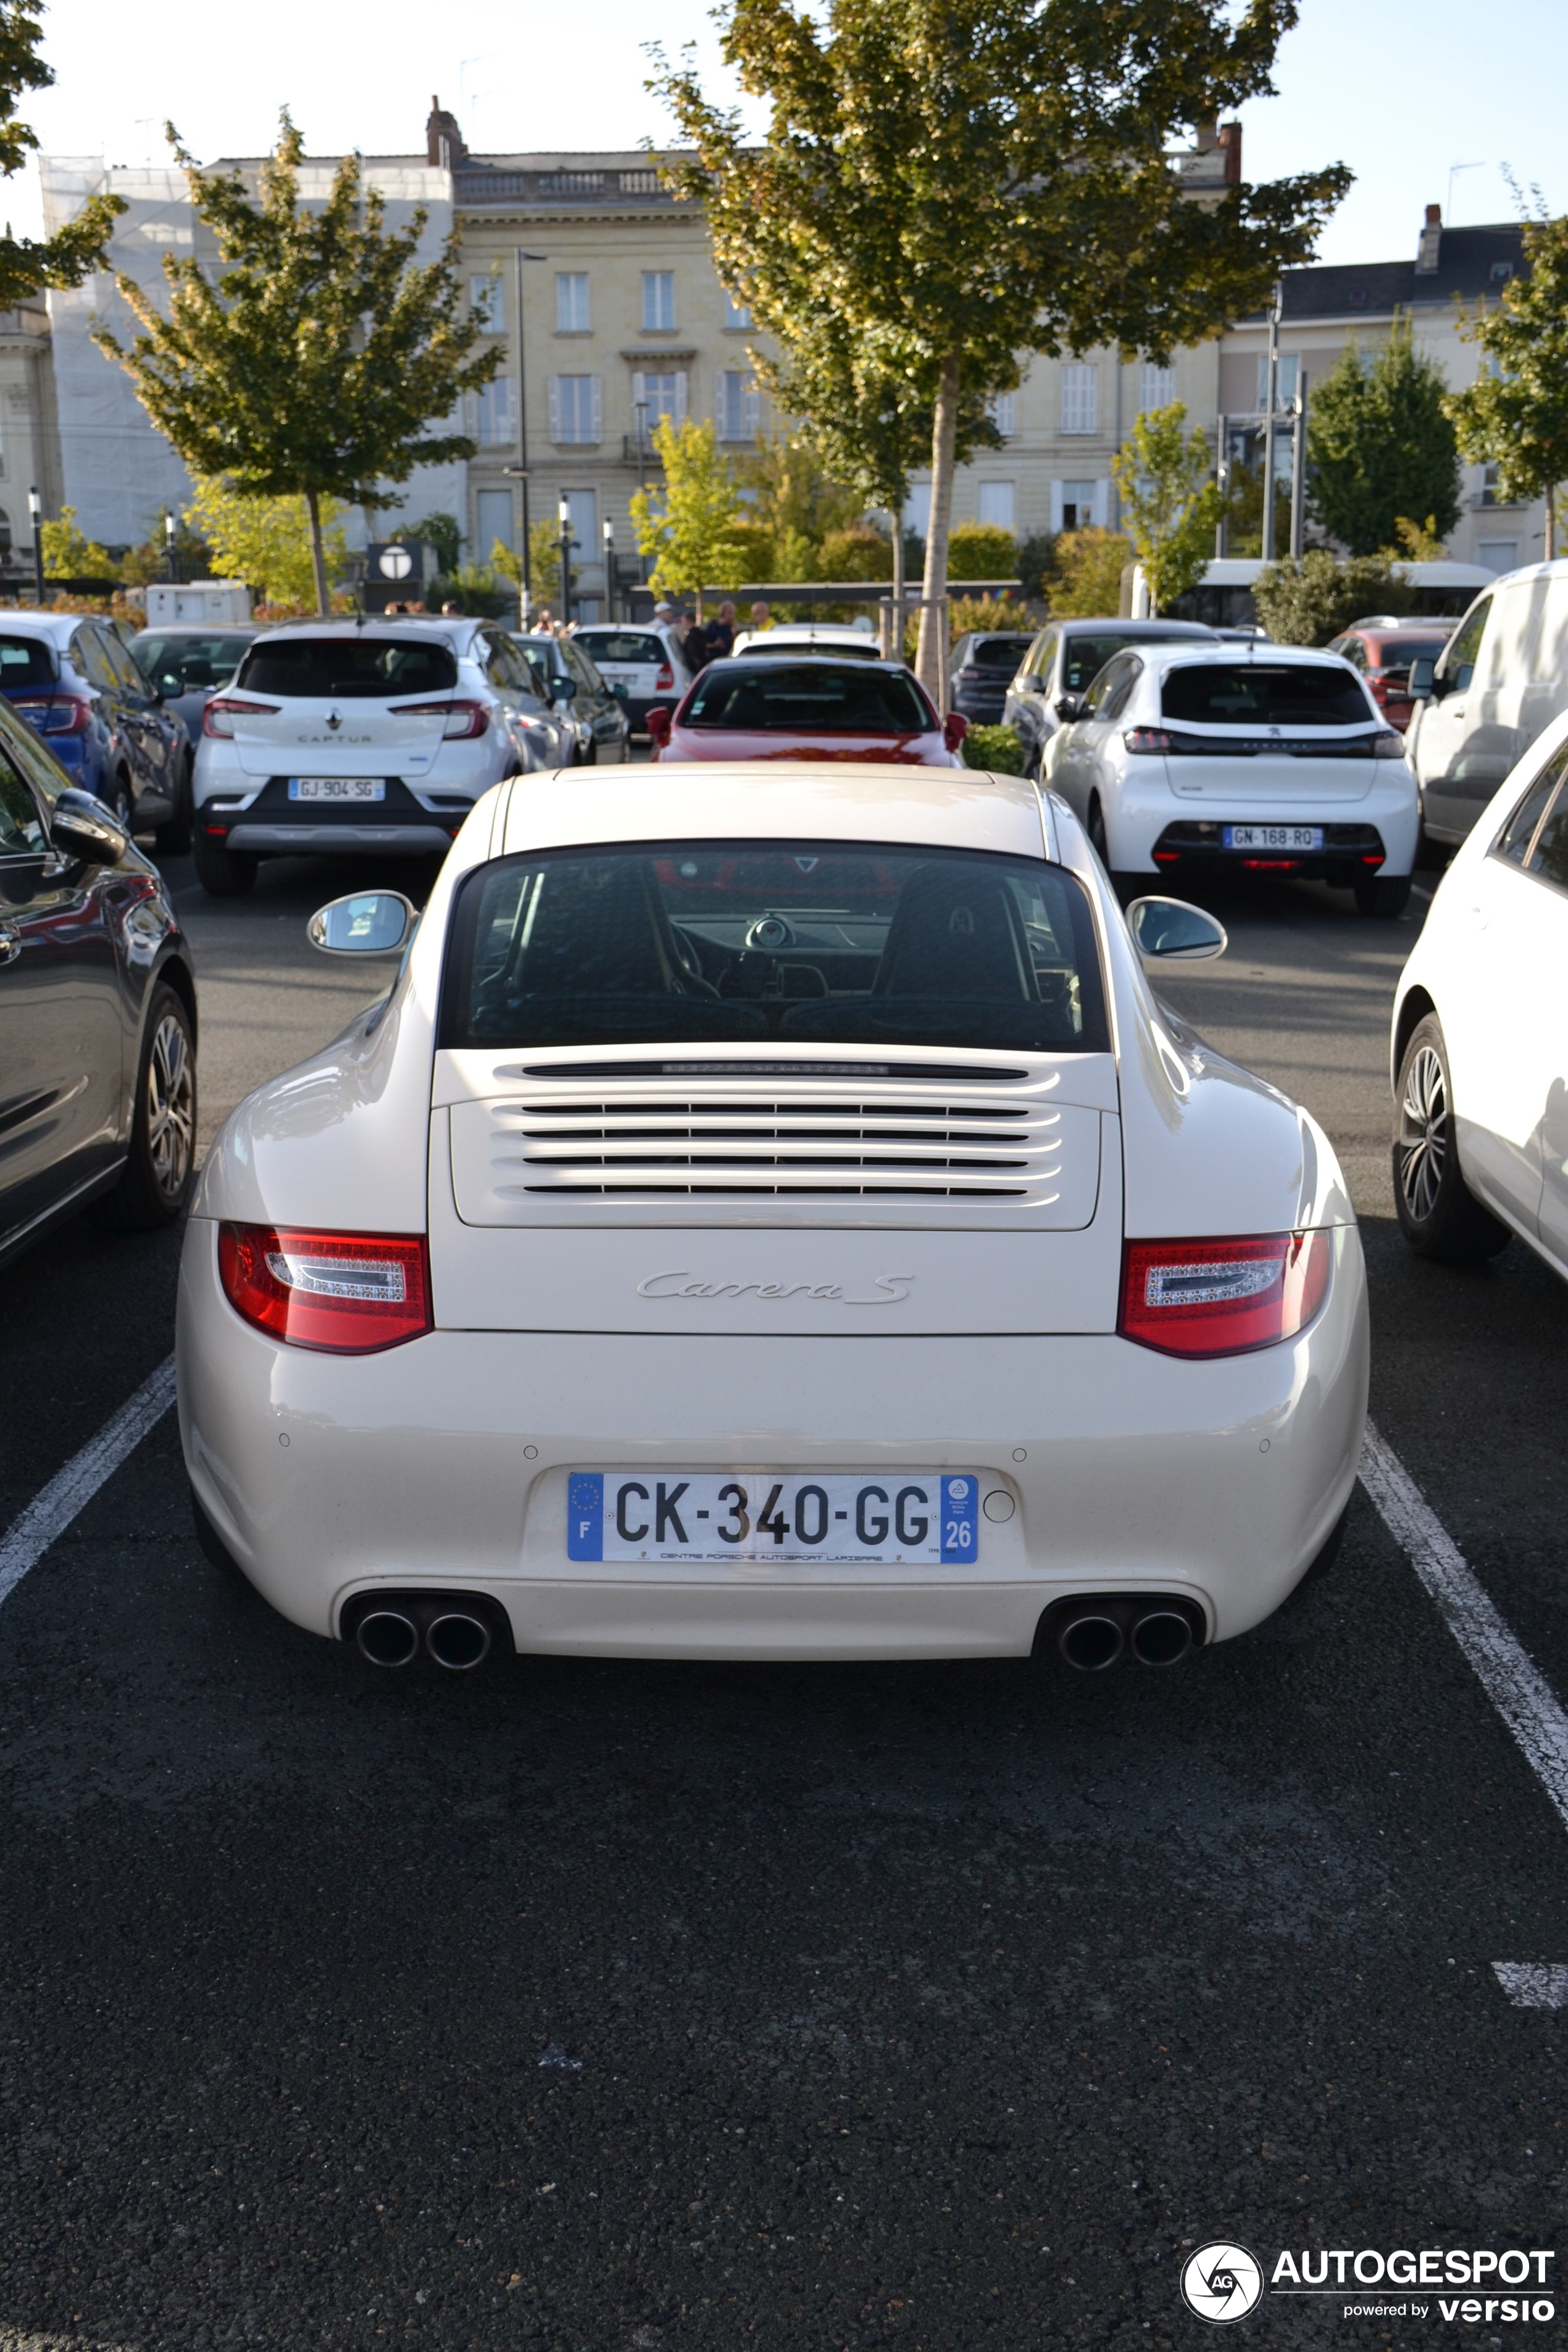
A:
[1423,1133]
[171,1107]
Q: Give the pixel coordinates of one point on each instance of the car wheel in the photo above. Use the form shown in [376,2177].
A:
[1438,1213]
[1124,884]
[118,799]
[1386,895]
[223,872]
[162,1166]
[174,839]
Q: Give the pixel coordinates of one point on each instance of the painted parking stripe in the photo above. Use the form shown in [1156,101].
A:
[1531,1984]
[51,1512]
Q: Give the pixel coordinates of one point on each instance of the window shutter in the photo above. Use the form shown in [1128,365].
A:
[1102,505]
[596,404]
[1056,507]
[555,408]
[682,382]
[751,410]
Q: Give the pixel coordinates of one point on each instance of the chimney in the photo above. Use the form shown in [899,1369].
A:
[1430,240]
[1230,142]
[1205,137]
[444,148]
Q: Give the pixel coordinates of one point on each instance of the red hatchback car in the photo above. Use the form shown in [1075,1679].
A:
[1383,652]
[813,708]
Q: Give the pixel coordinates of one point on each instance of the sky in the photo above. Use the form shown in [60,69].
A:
[1399,91]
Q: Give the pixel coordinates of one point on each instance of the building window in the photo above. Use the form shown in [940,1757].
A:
[1156,386]
[487,299]
[572,302]
[657,394]
[994,505]
[494,422]
[492,520]
[1080,397]
[736,409]
[1496,554]
[737,315]
[658,298]
[1078,504]
[1491,496]
[1002,407]
[1288,378]
[576,408]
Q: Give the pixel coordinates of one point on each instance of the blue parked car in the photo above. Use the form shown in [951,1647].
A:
[72,677]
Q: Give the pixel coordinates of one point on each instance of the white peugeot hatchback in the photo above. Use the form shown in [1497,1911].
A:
[772,1218]
[1198,761]
[344,737]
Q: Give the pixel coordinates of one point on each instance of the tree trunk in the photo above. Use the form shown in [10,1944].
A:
[931,659]
[318,558]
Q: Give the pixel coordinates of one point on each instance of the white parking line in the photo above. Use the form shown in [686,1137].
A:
[49,1513]
[1531,1984]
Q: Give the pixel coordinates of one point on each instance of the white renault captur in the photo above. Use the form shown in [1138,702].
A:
[1200,760]
[771,1220]
[349,736]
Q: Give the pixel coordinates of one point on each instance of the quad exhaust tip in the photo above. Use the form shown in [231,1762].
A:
[1092,1635]
[456,1631]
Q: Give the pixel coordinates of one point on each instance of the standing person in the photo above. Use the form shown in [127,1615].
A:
[543,625]
[695,649]
[720,632]
[760,617]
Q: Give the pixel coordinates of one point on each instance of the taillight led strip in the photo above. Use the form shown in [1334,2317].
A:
[347,1294]
[1223,1298]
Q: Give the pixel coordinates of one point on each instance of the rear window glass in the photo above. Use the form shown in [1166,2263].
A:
[1083,658]
[808,698]
[799,941]
[839,647]
[1265,693]
[341,669]
[622,646]
[997,653]
[180,665]
[25,661]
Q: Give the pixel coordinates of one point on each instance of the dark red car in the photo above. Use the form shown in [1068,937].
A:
[1383,652]
[813,708]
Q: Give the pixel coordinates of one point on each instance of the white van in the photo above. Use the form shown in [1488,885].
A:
[1501,678]
[1223,598]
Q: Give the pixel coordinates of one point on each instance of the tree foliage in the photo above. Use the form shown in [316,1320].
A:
[688,524]
[74,252]
[1380,445]
[313,364]
[1308,600]
[267,543]
[1170,500]
[946,185]
[1515,414]
[797,502]
[982,550]
[1085,580]
[69,554]
[442,533]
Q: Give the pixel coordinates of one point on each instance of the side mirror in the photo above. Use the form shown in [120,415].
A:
[80,826]
[1031,683]
[621,690]
[660,722]
[954,728]
[1069,707]
[370,922]
[1419,683]
[1168,931]
[562,687]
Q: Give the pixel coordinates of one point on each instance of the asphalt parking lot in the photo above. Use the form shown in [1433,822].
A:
[615,2008]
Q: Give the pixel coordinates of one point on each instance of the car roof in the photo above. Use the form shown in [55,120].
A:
[54,628]
[1267,655]
[811,657]
[204,629]
[722,799]
[1136,632]
[418,628]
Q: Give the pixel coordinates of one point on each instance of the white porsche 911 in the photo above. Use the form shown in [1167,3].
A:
[772,1218]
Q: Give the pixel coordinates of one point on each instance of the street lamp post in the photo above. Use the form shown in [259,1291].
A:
[1272,380]
[1221,483]
[563,516]
[170,551]
[526,595]
[1298,468]
[36,516]
[609,569]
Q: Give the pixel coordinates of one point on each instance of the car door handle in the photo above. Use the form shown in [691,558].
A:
[10,944]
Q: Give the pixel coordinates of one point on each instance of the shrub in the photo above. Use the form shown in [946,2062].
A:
[997,747]
[1085,583]
[858,553]
[965,613]
[982,550]
[1036,557]
[1308,601]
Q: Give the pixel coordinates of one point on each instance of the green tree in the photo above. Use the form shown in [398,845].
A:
[1085,580]
[443,533]
[270,544]
[982,550]
[689,525]
[1515,414]
[1308,600]
[796,499]
[312,365]
[69,554]
[74,252]
[544,561]
[1380,445]
[1170,500]
[858,553]
[944,184]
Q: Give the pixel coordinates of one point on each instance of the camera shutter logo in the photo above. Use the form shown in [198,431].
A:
[1222,2283]
[395,562]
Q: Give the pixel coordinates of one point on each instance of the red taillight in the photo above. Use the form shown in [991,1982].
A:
[665,680]
[1147,739]
[1379,684]
[55,714]
[221,712]
[346,1292]
[1221,1299]
[660,724]
[463,718]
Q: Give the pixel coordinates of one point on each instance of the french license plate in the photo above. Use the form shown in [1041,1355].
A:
[336,788]
[1273,836]
[928,1519]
